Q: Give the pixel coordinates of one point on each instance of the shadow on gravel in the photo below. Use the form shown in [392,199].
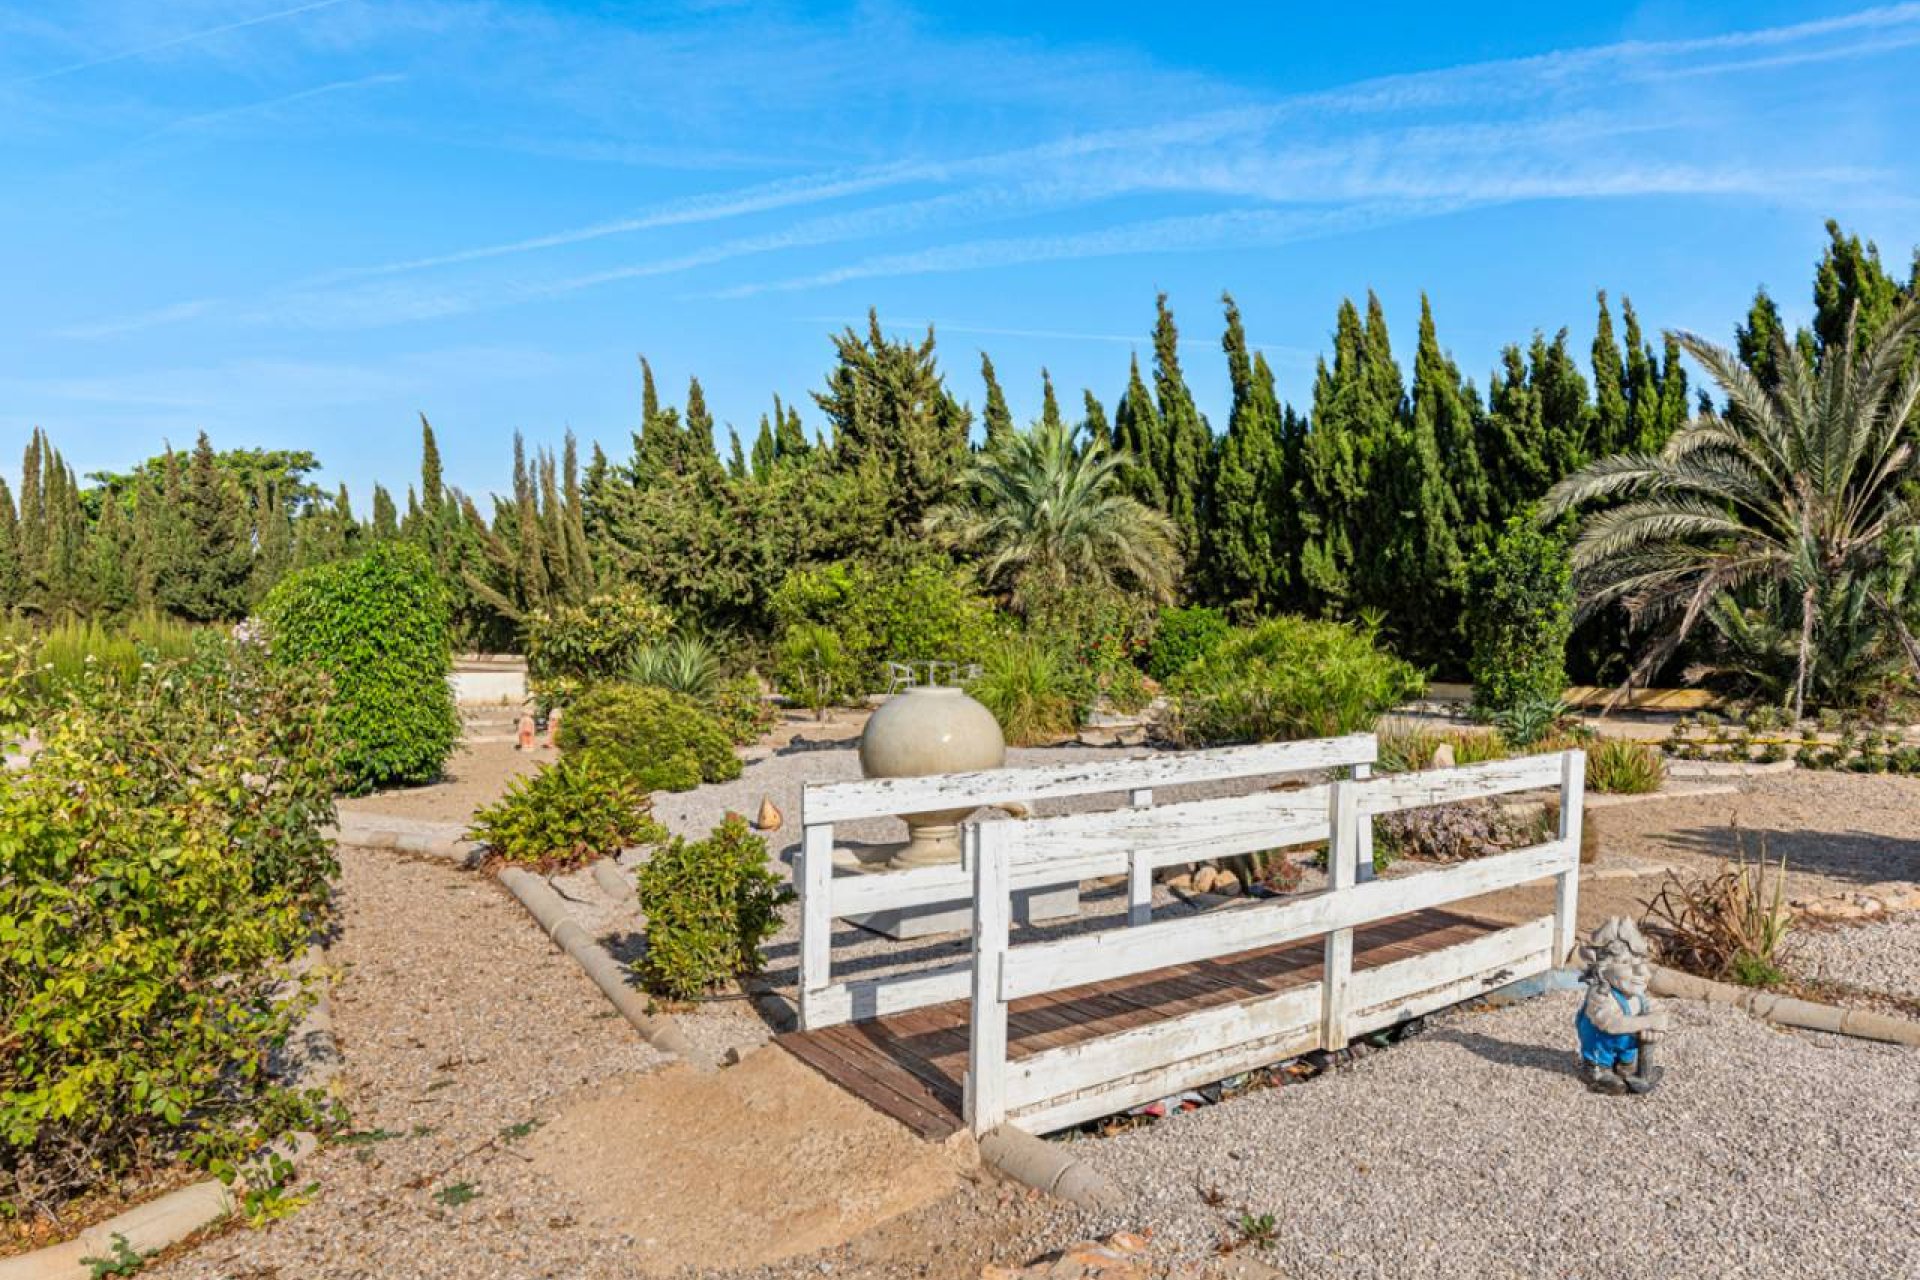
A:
[1859,857]
[1553,1061]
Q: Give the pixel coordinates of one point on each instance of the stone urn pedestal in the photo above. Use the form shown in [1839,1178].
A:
[934,729]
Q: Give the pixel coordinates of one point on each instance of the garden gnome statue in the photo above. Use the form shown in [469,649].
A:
[553,727]
[1617,1024]
[525,742]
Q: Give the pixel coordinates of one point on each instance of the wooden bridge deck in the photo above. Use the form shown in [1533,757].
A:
[911,1065]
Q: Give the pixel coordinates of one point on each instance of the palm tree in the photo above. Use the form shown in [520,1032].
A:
[1795,496]
[1049,514]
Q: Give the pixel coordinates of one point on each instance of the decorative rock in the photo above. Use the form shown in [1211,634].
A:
[1226,884]
[770,817]
[1204,878]
[1443,756]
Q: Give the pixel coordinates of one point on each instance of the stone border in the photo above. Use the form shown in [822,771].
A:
[606,973]
[1047,1166]
[1862,1024]
[166,1220]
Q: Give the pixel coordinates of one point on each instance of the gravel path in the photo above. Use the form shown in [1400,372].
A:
[1883,956]
[1473,1151]
[458,1021]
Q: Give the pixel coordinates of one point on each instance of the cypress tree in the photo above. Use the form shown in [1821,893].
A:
[433,486]
[1851,285]
[1243,560]
[386,522]
[1335,467]
[1448,403]
[10,573]
[699,454]
[579,555]
[274,557]
[110,586]
[737,456]
[658,450]
[1611,429]
[1049,406]
[789,437]
[1094,425]
[1755,340]
[33,514]
[997,417]
[1566,413]
[1513,441]
[764,451]
[1137,430]
[1186,463]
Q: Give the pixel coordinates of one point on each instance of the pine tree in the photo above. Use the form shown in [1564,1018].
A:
[1186,463]
[209,582]
[1244,559]
[1137,430]
[110,585]
[997,417]
[1049,405]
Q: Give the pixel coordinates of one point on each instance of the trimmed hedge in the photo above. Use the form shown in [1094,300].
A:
[378,626]
[658,740]
[709,905]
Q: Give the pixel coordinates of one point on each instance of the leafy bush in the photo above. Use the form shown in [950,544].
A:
[658,741]
[1519,615]
[813,667]
[741,708]
[1621,766]
[920,611]
[1732,925]
[1025,684]
[1290,677]
[1098,633]
[163,867]
[1183,637]
[568,813]
[709,905]
[572,646]
[685,665]
[378,626]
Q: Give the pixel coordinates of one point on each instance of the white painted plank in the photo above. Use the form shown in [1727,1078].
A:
[1363,856]
[1392,993]
[1054,1074]
[985,1103]
[1095,957]
[1398,791]
[1566,897]
[881,797]
[862,999]
[816,920]
[1336,968]
[1139,869]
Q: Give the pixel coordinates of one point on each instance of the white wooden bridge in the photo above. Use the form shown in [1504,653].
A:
[1051,1033]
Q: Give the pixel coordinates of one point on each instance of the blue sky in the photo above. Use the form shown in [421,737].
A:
[301,222]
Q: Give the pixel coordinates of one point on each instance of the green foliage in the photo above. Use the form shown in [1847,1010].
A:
[64,653]
[1526,722]
[1290,677]
[1027,686]
[164,865]
[565,815]
[455,1194]
[571,646]
[1733,924]
[741,708]
[913,612]
[1182,637]
[1519,615]
[657,740]
[812,666]
[378,626]
[709,905]
[685,665]
[122,1260]
[1621,766]
[1403,749]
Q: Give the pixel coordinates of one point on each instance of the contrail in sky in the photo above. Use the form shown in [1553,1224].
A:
[174,41]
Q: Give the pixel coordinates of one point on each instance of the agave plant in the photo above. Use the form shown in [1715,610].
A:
[1795,496]
[684,664]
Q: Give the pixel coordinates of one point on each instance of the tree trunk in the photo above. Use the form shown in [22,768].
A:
[1806,654]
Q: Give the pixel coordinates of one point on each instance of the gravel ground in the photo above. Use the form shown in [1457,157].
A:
[1883,956]
[457,1020]
[1473,1151]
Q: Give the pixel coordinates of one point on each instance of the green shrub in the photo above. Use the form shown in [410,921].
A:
[1621,766]
[741,708]
[658,741]
[1519,614]
[1025,684]
[1529,721]
[378,626]
[1099,634]
[163,865]
[916,612]
[1290,677]
[64,652]
[685,665]
[572,646]
[1183,637]
[812,667]
[709,905]
[1403,748]
[567,814]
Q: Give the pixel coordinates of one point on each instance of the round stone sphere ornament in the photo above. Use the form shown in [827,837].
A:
[925,730]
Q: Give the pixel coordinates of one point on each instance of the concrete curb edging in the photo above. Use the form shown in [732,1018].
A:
[447,842]
[166,1220]
[1048,1167]
[606,973]
[613,881]
[1862,1024]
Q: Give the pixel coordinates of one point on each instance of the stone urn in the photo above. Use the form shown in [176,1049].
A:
[924,730]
